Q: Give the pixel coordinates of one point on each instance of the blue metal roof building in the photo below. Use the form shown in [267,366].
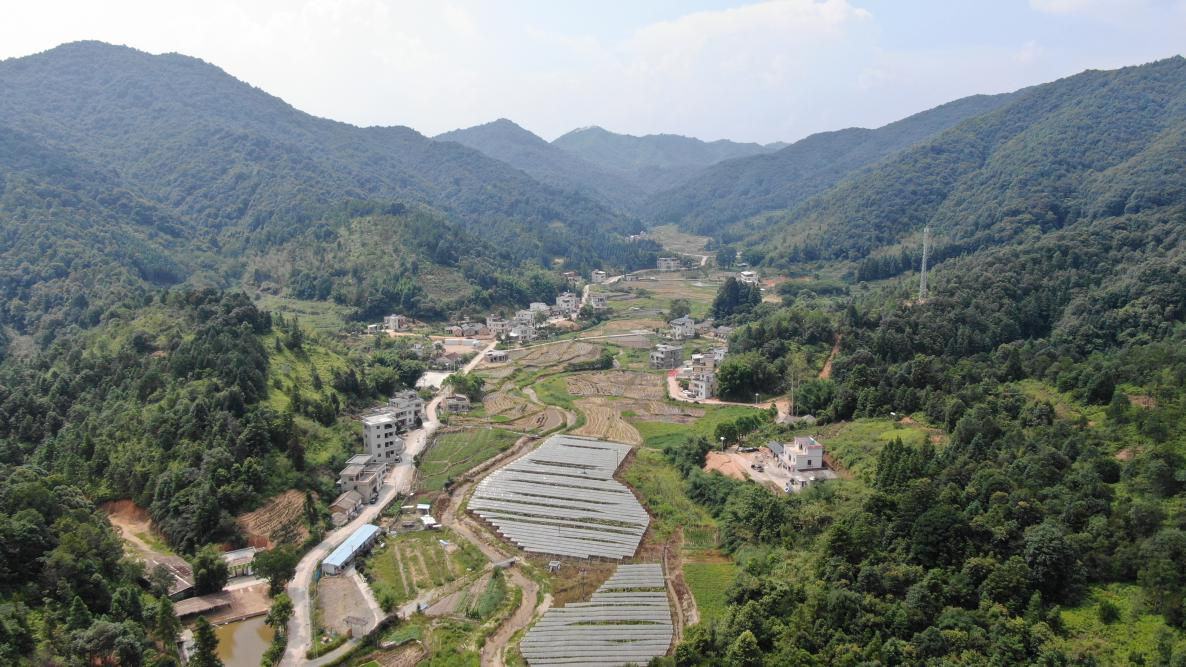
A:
[358,541]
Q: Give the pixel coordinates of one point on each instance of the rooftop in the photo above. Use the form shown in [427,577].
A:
[379,419]
[347,549]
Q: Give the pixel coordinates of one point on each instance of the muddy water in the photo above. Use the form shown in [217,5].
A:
[242,643]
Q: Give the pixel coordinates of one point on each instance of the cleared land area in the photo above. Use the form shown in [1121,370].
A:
[454,454]
[709,583]
[627,621]
[557,354]
[338,598]
[603,419]
[283,510]
[562,499]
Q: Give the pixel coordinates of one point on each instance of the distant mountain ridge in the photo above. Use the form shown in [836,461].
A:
[731,191]
[125,171]
[503,140]
[655,161]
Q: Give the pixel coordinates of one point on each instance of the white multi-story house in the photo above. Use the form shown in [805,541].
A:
[408,409]
[748,278]
[718,354]
[802,453]
[526,317]
[457,403]
[522,333]
[669,264]
[683,328]
[598,276]
[539,307]
[364,476]
[397,323]
[598,301]
[703,385]
[380,433]
[567,303]
[667,356]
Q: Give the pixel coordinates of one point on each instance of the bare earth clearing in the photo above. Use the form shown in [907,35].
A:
[260,524]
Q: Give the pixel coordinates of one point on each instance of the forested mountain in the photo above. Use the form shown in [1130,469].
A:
[123,170]
[547,163]
[1079,151]
[656,161]
[734,190]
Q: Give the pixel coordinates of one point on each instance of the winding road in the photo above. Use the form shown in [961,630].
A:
[399,480]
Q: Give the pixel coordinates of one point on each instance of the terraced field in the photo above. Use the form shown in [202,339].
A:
[628,384]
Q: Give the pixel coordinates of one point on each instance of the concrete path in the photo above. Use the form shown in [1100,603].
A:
[399,480]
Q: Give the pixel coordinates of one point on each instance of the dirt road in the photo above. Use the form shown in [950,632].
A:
[826,372]
[495,645]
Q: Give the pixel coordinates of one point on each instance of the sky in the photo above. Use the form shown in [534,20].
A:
[748,71]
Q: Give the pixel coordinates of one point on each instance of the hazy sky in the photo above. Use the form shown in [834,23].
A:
[761,71]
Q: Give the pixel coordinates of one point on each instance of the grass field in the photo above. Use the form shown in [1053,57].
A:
[417,561]
[1065,406]
[672,238]
[856,444]
[709,582]
[322,316]
[453,454]
[554,391]
[662,491]
[1111,643]
[660,434]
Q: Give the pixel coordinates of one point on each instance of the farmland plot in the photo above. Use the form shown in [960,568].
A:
[616,383]
[285,509]
[604,420]
[546,356]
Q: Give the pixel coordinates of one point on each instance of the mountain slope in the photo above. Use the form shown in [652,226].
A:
[1082,149]
[504,140]
[734,190]
[656,161]
[234,159]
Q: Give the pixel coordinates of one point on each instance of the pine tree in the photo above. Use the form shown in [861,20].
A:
[205,646]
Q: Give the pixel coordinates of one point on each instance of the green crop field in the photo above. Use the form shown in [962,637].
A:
[417,561]
[453,454]
[709,582]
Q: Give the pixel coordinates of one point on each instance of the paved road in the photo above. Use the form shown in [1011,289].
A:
[399,480]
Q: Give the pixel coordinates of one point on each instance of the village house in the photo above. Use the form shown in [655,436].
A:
[747,278]
[525,317]
[804,458]
[364,476]
[373,328]
[572,278]
[723,332]
[240,562]
[457,403]
[667,356]
[345,507]
[669,264]
[703,385]
[567,303]
[598,301]
[598,276]
[380,433]
[522,333]
[496,356]
[407,408]
[683,328]
[497,325]
[718,354]
[397,323]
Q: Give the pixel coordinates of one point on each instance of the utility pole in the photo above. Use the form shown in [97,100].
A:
[926,251]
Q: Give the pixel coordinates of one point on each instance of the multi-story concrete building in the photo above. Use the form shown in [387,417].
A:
[683,328]
[667,356]
[380,433]
[598,301]
[598,276]
[408,409]
[669,264]
[364,476]
[703,385]
[567,303]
